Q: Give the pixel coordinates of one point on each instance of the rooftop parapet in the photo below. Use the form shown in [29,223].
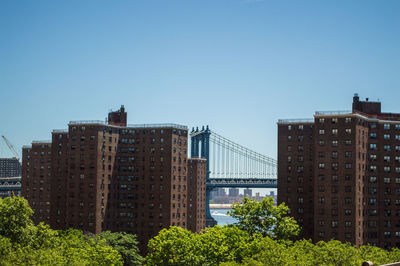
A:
[60,130]
[296,121]
[333,112]
[165,125]
[41,142]
[88,122]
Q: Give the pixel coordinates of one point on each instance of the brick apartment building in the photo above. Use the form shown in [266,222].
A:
[10,167]
[339,173]
[197,194]
[99,176]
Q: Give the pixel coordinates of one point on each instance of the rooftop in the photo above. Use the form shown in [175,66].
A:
[99,122]
[294,121]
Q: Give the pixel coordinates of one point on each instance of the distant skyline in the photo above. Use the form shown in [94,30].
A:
[235,65]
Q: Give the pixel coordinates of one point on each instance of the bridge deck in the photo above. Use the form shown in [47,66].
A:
[242,183]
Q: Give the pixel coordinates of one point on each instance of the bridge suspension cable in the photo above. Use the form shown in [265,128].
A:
[231,160]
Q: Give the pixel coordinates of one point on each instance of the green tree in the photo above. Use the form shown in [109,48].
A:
[23,243]
[175,246]
[126,245]
[15,221]
[227,243]
[265,218]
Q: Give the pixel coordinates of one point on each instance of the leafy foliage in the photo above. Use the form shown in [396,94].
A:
[15,222]
[265,218]
[175,246]
[126,245]
[23,243]
[261,237]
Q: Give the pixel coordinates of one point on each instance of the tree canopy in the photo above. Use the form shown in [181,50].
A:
[265,218]
[261,237]
[23,243]
[126,245]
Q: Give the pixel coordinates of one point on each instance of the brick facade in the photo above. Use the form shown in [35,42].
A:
[340,174]
[110,176]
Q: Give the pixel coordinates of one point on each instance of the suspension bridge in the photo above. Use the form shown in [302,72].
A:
[230,165]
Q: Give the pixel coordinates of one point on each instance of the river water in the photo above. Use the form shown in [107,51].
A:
[221,216]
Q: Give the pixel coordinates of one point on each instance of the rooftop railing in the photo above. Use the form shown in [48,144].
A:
[60,130]
[293,121]
[158,126]
[100,122]
[41,142]
[332,112]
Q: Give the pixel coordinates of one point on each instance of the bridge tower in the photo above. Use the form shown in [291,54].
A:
[200,147]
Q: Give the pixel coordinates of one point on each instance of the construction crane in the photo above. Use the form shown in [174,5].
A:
[11,147]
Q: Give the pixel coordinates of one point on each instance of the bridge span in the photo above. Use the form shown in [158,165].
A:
[231,165]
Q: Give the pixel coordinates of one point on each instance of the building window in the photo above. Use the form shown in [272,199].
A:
[386,158]
[334,224]
[372,179]
[348,165]
[386,126]
[321,120]
[372,224]
[348,154]
[372,135]
[334,131]
[348,130]
[321,165]
[321,131]
[372,201]
[372,146]
[386,147]
[348,142]
[334,154]
[386,202]
[347,120]
[347,224]
[334,143]
[386,180]
[386,137]
[334,120]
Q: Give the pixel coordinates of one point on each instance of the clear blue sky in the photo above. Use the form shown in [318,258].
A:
[236,65]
